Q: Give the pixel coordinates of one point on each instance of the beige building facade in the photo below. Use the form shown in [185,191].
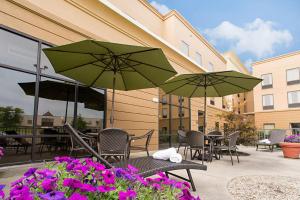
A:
[277,98]
[61,22]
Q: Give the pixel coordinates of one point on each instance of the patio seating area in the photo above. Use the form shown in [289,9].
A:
[280,177]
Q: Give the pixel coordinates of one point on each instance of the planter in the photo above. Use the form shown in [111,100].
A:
[290,150]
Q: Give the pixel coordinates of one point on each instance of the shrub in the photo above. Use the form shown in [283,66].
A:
[85,179]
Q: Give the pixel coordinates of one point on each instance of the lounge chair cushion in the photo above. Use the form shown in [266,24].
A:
[149,166]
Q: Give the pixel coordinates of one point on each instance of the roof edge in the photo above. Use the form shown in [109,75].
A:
[293,53]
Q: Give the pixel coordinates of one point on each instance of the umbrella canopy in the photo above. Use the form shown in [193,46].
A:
[66,92]
[111,65]
[211,84]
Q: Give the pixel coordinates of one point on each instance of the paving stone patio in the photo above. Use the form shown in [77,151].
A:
[260,175]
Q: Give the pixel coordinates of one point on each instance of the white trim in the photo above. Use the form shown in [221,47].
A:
[141,26]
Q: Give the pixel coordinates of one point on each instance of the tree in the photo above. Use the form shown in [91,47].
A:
[10,116]
[81,123]
[242,123]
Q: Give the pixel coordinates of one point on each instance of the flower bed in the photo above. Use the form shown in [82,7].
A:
[85,179]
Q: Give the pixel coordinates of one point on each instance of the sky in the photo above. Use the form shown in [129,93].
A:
[254,29]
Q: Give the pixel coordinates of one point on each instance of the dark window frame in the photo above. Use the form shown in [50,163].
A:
[269,107]
[269,85]
[294,82]
[292,105]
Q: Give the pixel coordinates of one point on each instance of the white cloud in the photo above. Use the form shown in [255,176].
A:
[248,64]
[163,9]
[259,37]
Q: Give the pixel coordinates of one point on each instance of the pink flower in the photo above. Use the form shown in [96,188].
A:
[77,196]
[132,169]
[49,184]
[108,177]
[105,188]
[72,183]
[129,194]
[87,188]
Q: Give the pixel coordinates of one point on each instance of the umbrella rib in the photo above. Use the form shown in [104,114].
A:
[135,52]
[102,47]
[234,84]
[196,87]
[182,85]
[88,63]
[215,87]
[100,74]
[142,63]
[140,73]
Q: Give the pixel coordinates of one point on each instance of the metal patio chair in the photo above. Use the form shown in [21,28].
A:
[146,137]
[147,166]
[182,140]
[196,142]
[230,145]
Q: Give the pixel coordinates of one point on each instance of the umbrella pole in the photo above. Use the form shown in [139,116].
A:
[67,105]
[113,103]
[204,120]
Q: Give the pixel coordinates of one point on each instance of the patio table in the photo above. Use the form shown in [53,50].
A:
[213,139]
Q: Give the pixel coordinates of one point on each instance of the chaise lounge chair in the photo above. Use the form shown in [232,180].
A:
[276,136]
[147,165]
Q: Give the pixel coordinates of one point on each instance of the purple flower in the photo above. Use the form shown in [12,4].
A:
[141,180]
[105,188]
[2,195]
[87,188]
[21,193]
[30,172]
[186,195]
[17,182]
[132,169]
[49,184]
[108,177]
[156,186]
[72,183]
[129,194]
[54,195]
[77,196]
[61,159]
[46,173]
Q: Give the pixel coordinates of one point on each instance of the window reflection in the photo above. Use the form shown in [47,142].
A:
[16,110]
[18,51]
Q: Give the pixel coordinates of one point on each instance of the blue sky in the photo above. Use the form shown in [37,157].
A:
[255,29]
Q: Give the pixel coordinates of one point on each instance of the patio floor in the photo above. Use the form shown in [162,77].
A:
[260,175]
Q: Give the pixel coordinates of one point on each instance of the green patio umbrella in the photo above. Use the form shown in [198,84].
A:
[210,84]
[111,65]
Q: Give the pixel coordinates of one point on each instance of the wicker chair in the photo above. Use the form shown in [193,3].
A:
[182,140]
[231,146]
[146,137]
[113,142]
[195,141]
[147,165]
[276,136]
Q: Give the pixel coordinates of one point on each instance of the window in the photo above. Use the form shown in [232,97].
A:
[293,76]
[294,99]
[200,113]
[180,99]
[217,126]
[268,102]
[212,101]
[185,48]
[295,128]
[269,126]
[164,99]
[18,51]
[165,112]
[199,58]
[210,67]
[267,81]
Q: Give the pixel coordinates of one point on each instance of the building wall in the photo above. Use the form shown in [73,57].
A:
[62,22]
[281,115]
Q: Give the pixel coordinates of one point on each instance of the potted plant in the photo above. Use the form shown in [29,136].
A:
[291,146]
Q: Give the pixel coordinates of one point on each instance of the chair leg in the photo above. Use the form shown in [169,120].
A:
[147,152]
[230,156]
[272,148]
[178,148]
[185,154]
[237,155]
[256,147]
[191,154]
[185,149]
[191,179]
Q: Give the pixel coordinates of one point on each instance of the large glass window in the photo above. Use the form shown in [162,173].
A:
[40,137]
[293,76]
[185,48]
[18,51]
[294,99]
[16,115]
[267,81]
[268,102]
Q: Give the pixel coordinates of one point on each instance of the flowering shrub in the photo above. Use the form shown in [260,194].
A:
[76,179]
[293,138]
[1,152]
